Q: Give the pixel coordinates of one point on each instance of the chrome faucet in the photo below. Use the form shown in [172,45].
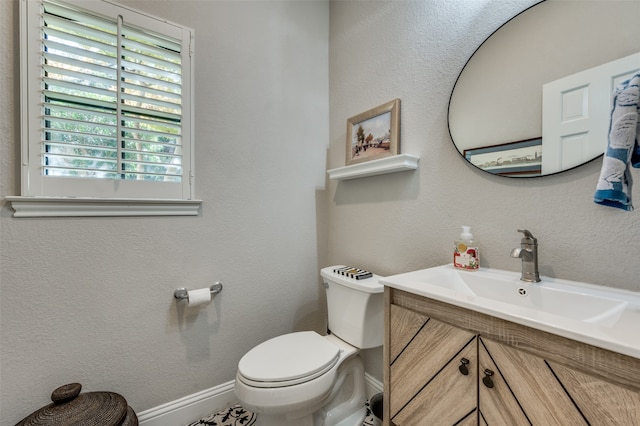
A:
[528,252]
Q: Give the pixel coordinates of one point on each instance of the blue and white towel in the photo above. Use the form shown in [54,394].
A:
[623,150]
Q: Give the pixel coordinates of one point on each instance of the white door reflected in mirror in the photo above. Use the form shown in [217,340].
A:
[576,113]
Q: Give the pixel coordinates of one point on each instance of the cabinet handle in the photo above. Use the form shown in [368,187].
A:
[463,366]
[488,382]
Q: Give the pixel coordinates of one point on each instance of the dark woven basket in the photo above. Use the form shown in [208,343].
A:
[70,408]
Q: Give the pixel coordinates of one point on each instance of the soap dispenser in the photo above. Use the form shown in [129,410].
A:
[465,252]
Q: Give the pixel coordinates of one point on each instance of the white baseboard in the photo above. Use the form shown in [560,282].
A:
[190,408]
[198,405]
[373,385]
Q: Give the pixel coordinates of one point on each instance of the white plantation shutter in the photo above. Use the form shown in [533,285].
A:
[151,107]
[109,100]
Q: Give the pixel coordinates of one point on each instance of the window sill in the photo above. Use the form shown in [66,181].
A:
[92,207]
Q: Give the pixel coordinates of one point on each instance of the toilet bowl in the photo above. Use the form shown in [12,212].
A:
[308,379]
[287,388]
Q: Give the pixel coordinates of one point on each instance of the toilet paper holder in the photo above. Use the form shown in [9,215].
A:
[183,293]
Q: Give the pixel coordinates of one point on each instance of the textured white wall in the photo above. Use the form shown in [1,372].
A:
[91,299]
[414,50]
[267,223]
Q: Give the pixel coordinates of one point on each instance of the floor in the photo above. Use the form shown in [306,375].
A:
[238,416]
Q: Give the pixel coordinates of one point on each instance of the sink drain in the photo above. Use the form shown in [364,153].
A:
[522,291]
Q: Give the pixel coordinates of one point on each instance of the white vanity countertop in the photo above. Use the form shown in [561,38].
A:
[601,316]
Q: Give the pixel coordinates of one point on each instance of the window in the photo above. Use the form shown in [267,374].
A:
[106,108]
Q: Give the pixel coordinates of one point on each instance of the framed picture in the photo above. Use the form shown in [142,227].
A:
[523,158]
[374,134]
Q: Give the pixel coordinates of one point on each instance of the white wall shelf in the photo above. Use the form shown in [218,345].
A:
[397,163]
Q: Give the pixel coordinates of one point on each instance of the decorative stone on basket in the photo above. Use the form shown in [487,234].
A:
[89,409]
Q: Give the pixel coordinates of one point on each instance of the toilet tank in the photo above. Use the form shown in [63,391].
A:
[355,308]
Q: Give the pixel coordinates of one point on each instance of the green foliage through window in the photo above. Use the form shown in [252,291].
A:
[112,98]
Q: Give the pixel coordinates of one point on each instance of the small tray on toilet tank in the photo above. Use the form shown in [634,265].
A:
[351,272]
[368,285]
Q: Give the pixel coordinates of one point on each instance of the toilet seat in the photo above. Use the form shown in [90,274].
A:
[288,360]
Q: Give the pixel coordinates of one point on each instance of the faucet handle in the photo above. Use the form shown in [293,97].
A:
[528,237]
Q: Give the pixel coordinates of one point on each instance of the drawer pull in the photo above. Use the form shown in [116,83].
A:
[488,382]
[463,366]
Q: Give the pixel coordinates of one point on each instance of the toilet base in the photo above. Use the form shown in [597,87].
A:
[344,406]
[271,420]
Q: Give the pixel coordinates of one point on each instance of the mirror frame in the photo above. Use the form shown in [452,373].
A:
[461,151]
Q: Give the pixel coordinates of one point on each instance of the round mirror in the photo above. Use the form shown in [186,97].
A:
[534,99]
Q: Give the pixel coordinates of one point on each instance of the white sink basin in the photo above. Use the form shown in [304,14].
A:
[598,315]
[557,297]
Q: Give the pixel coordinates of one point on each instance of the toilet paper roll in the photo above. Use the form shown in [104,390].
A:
[199,297]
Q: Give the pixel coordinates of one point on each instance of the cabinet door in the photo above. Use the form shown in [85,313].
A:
[601,402]
[497,404]
[426,382]
[532,384]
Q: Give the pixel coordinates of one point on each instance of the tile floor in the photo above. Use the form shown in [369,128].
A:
[238,416]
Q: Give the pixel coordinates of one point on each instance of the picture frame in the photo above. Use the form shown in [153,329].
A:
[374,134]
[522,158]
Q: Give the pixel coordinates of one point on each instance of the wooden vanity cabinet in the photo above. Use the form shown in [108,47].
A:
[432,364]
[446,365]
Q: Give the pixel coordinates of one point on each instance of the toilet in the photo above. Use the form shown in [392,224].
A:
[307,379]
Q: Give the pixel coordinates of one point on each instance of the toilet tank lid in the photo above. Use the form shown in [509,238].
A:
[368,285]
